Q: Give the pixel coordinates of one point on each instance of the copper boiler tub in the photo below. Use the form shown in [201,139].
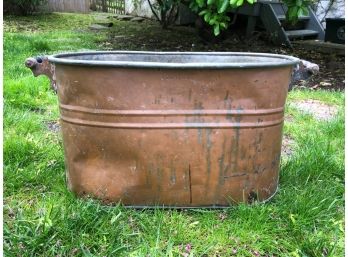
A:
[170,129]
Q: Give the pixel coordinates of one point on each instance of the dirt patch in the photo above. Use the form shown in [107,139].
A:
[53,126]
[287,146]
[317,109]
[149,36]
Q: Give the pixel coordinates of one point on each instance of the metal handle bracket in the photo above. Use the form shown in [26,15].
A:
[41,66]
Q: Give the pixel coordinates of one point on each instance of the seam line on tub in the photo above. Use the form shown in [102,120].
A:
[170,112]
[180,125]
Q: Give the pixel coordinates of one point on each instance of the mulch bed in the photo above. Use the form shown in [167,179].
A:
[149,36]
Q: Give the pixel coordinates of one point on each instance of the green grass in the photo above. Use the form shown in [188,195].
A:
[42,218]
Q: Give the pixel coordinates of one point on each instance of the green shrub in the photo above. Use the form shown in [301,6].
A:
[22,7]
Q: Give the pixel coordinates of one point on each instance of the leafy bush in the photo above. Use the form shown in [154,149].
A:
[165,11]
[22,7]
[297,8]
[215,12]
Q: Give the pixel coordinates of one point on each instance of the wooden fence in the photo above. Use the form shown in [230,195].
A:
[80,6]
[112,6]
[85,6]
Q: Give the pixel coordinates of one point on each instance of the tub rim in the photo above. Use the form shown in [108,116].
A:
[288,60]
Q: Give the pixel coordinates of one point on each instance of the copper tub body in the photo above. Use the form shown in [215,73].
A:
[172,129]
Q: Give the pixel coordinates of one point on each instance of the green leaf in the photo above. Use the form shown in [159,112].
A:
[207,16]
[223,7]
[292,13]
[239,2]
[210,2]
[250,1]
[233,2]
[212,20]
[223,25]
[305,10]
[299,3]
[202,12]
[300,12]
[200,3]
[216,30]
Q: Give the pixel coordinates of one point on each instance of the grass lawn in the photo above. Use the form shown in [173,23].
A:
[42,218]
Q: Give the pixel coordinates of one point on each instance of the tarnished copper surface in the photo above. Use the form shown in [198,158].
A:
[41,66]
[183,138]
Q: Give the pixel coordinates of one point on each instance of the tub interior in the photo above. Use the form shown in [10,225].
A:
[178,58]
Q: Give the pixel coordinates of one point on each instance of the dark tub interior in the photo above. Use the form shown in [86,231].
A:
[165,58]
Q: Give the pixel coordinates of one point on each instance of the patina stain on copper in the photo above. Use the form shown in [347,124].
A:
[172,129]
